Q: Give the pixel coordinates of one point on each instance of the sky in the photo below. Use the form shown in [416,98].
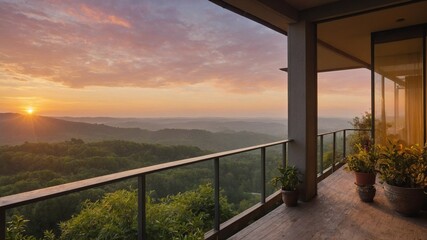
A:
[152,58]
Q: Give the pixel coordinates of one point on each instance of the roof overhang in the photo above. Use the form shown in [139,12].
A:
[343,27]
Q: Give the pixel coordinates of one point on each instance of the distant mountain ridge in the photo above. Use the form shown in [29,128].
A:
[274,127]
[271,126]
[16,129]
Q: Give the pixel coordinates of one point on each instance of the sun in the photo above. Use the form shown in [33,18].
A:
[29,110]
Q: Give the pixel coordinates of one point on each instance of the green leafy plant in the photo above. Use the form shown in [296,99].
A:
[364,160]
[361,137]
[288,178]
[16,230]
[403,166]
[186,215]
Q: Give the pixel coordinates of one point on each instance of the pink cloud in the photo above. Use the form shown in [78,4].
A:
[141,44]
[101,17]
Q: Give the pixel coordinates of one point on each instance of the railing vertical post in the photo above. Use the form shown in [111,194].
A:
[344,147]
[263,175]
[321,154]
[217,221]
[142,216]
[334,146]
[2,224]
[284,151]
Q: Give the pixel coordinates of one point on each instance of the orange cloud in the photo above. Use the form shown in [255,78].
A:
[101,17]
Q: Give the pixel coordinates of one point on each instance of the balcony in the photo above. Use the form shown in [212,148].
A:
[323,36]
[335,143]
[337,213]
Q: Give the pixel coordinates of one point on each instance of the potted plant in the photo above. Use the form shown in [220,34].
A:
[363,164]
[403,169]
[288,181]
[366,192]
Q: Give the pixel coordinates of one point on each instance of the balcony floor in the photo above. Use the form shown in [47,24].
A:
[337,213]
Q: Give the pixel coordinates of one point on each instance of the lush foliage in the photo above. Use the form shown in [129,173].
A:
[364,160]
[113,217]
[16,229]
[35,165]
[362,138]
[183,216]
[288,178]
[403,166]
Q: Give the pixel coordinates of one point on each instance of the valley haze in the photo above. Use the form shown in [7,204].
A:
[214,134]
[271,126]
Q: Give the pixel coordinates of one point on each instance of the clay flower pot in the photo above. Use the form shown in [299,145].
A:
[366,193]
[290,198]
[365,179]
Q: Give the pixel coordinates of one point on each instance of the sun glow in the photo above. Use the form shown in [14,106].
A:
[29,110]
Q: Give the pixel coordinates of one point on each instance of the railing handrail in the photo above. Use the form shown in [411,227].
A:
[345,129]
[24,198]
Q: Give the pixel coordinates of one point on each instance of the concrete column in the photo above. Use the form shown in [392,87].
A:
[302,104]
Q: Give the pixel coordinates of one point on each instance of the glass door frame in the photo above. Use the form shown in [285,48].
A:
[417,31]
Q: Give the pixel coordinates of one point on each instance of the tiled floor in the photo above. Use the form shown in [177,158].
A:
[337,213]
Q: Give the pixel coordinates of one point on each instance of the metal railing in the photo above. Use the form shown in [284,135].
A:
[337,160]
[25,198]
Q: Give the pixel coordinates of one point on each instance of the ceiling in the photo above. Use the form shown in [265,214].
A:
[301,5]
[344,27]
[352,35]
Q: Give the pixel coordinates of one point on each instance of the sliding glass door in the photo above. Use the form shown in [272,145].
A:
[399,81]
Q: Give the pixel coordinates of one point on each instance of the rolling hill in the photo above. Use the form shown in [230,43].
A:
[273,127]
[16,129]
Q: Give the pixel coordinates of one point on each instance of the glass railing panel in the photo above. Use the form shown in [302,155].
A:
[240,180]
[180,202]
[274,159]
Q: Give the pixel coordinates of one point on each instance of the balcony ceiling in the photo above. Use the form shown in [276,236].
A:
[344,27]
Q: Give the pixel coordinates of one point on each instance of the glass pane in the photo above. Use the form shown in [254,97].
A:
[398,91]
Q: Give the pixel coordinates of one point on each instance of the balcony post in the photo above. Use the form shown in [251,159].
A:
[2,223]
[217,220]
[344,148]
[302,104]
[262,175]
[284,146]
[142,216]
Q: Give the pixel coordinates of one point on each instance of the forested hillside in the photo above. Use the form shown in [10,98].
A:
[35,165]
[17,129]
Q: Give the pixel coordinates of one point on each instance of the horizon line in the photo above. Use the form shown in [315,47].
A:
[171,117]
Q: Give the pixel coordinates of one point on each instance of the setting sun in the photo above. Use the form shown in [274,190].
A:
[29,110]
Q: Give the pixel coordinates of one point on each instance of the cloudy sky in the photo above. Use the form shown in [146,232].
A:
[151,58]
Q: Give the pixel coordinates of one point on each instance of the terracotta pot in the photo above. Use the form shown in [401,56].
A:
[406,201]
[290,198]
[365,179]
[366,193]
